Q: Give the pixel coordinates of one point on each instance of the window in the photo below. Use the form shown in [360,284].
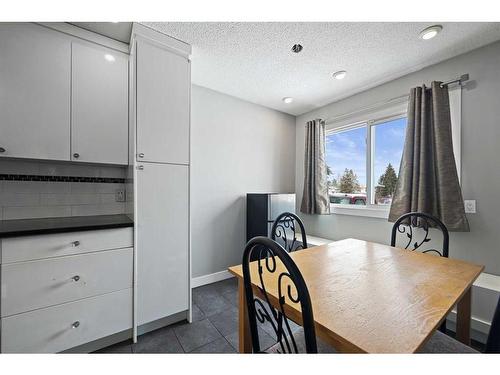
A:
[387,138]
[363,161]
[346,161]
[363,154]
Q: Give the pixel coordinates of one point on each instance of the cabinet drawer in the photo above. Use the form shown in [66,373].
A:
[53,329]
[18,249]
[36,284]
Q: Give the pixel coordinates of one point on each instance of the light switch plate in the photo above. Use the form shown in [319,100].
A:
[470,206]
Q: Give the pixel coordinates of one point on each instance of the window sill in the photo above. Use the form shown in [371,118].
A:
[366,211]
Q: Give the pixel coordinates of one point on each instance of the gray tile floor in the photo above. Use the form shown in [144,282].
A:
[214,328]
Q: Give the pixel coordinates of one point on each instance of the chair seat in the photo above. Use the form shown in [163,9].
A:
[441,343]
[323,347]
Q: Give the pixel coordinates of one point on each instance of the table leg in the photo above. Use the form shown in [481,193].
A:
[245,340]
[464,317]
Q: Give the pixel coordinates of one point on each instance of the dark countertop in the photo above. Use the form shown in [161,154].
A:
[28,227]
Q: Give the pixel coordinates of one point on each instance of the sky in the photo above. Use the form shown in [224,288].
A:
[347,149]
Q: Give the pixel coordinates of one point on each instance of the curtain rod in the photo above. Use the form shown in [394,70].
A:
[460,80]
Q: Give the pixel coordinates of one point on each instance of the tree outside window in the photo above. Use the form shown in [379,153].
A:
[386,185]
[349,183]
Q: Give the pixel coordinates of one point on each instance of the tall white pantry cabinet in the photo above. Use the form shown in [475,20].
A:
[160,125]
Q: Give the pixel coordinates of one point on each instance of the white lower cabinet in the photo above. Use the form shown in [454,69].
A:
[162,240]
[59,291]
[65,326]
[32,285]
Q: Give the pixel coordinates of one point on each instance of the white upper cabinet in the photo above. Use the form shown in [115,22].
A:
[99,110]
[35,66]
[163,93]
[61,98]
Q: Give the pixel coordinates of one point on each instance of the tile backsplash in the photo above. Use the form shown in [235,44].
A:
[30,189]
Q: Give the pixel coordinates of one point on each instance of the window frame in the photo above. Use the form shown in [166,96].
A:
[372,117]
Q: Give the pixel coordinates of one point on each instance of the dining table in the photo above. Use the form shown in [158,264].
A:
[369,297]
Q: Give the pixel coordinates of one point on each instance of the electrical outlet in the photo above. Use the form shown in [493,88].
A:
[120,196]
[470,206]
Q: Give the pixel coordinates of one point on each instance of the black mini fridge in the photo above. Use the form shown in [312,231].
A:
[263,209]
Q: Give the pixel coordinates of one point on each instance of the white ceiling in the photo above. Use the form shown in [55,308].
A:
[254,62]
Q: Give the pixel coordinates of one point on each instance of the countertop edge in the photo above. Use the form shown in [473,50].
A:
[34,232]
[38,229]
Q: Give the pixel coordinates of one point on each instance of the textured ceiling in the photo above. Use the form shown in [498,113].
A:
[253,61]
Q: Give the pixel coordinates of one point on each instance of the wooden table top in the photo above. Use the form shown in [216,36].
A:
[373,298]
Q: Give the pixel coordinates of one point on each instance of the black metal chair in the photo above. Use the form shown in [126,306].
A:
[440,343]
[407,223]
[284,231]
[271,258]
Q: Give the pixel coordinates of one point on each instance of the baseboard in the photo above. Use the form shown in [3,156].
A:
[211,278]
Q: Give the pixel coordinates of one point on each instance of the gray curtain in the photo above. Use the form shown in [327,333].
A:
[315,196]
[428,179]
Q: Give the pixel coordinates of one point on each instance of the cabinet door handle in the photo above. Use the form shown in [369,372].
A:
[2,150]
[75,278]
[140,167]
[141,155]
[75,324]
[75,243]
[76,155]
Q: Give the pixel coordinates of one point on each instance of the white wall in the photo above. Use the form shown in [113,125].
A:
[480,156]
[236,147]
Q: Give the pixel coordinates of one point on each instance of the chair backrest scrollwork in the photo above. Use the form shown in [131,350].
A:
[272,260]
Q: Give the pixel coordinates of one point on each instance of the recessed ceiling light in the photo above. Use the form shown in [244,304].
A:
[109,57]
[430,32]
[297,48]
[287,100]
[340,74]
